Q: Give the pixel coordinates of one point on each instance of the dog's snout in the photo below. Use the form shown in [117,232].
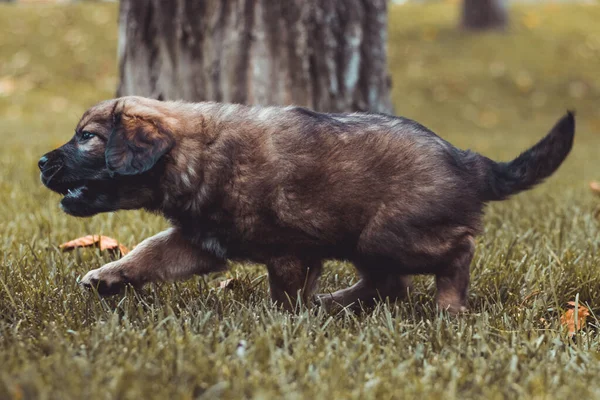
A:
[42,162]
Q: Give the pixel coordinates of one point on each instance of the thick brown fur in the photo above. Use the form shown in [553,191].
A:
[290,188]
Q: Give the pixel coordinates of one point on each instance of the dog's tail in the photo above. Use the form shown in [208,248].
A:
[503,179]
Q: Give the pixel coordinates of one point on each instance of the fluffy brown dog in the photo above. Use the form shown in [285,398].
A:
[289,188]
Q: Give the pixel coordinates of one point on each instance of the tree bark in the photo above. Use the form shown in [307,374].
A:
[329,55]
[484,14]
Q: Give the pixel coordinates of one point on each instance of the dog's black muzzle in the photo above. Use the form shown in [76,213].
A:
[51,168]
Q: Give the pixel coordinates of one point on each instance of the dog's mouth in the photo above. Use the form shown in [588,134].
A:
[72,188]
[75,192]
[81,198]
[83,194]
[78,200]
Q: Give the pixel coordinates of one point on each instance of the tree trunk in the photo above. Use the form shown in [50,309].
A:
[484,14]
[329,55]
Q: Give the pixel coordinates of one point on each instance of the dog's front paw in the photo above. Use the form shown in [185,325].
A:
[107,280]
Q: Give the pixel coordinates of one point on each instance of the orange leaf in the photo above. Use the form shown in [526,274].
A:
[568,318]
[124,250]
[103,242]
[595,187]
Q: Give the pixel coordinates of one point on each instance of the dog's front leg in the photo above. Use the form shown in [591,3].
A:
[166,256]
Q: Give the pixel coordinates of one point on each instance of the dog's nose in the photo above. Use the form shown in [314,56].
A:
[42,162]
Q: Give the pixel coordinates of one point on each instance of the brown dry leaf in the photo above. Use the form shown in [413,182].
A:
[104,242]
[228,283]
[595,187]
[568,318]
[123,250]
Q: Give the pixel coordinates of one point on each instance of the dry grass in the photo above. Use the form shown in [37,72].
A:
[496,94]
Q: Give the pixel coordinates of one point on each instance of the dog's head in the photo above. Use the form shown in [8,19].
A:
[114,159]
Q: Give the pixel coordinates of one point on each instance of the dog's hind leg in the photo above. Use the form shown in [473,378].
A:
[166,256]
[393,248]
[453,281]
[293,279]
[368,290]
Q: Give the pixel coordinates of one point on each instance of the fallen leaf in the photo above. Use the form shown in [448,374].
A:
[123,250]
[228,283]
[568,318]
[595,186]
[103,242]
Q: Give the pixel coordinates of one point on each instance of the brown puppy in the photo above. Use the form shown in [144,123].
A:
[289,188]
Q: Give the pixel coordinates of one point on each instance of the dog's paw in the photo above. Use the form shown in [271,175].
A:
[453,309]
[106,281]
[327,302]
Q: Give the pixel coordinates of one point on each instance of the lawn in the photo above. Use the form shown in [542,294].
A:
[496,94]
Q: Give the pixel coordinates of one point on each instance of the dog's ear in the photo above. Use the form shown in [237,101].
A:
[139,138]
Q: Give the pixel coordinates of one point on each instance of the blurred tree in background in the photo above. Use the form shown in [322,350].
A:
[484,14]
[326,55]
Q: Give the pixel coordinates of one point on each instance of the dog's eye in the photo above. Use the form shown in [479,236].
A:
[85,135]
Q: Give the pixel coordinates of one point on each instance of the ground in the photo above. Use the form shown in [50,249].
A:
[496,94]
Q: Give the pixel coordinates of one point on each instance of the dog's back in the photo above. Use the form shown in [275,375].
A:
[332,176]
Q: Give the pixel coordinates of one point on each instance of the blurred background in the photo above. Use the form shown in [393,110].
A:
[489,75]
[475,71]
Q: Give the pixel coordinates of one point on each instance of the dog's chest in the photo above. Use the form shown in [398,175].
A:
[254,236]
[210,236]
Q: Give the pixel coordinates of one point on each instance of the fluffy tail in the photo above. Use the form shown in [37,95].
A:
[502,180]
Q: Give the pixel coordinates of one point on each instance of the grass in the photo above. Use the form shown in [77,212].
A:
[496,94]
